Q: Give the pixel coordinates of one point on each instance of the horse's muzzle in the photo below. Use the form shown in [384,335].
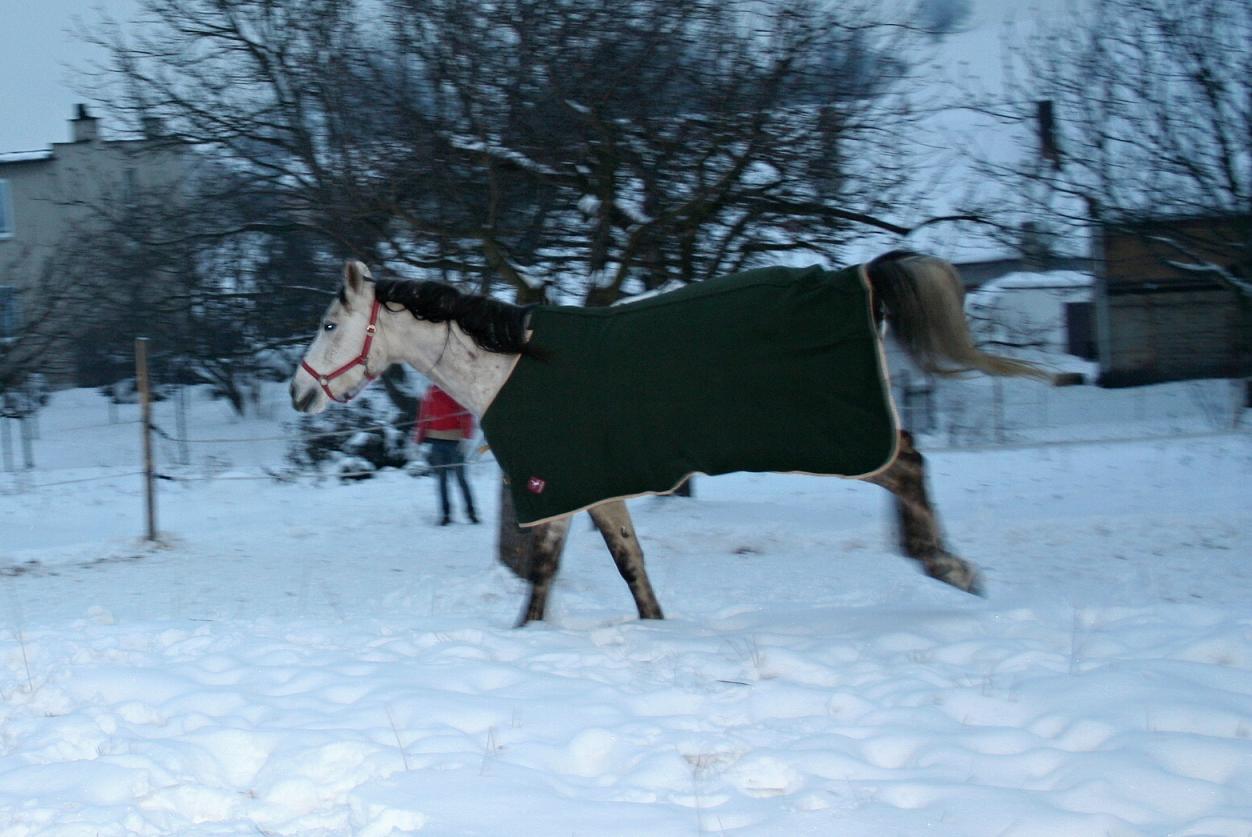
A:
[303,400]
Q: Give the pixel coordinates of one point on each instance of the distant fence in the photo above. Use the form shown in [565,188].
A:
[982,411]
[199,439]
[194,437]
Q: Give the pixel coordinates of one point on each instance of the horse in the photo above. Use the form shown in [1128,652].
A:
[471,345]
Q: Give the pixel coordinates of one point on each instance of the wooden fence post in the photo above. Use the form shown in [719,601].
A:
[145,409]
[6,443]
[28,448]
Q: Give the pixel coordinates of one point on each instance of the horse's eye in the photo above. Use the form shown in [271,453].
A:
[328,326]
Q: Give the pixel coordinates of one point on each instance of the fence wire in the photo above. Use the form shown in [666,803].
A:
[100,478]
[964,415]
[328,434]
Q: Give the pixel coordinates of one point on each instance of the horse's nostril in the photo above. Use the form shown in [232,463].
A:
[302,401]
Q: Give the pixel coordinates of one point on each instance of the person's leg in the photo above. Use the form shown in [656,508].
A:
[440,462]
[458,468]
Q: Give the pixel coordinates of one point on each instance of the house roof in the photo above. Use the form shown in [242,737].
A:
[1044,280]
[25,156]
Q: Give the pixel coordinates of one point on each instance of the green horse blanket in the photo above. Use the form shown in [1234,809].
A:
[778,369]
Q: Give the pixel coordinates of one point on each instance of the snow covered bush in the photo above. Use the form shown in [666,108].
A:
[352,441]
[26,398]
[125,391]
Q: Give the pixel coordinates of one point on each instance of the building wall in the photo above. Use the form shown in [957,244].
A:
[61,199]
[1158,320]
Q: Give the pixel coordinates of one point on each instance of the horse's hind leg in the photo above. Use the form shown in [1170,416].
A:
[613,521]
[919,533]
[547,540]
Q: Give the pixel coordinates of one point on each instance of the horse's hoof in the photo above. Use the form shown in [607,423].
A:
[529,614]
[960,575]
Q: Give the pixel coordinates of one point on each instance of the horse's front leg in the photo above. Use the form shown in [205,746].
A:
[547,540]
[919,532]
[613,521]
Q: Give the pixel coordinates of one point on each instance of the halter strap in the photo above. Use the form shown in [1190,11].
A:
[362,359]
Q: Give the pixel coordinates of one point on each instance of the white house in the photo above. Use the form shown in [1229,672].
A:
[1034,310]
[54,201]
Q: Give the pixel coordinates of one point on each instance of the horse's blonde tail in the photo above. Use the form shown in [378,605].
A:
[924,301]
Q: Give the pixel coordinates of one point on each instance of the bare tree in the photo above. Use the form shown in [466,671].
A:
[1138,115]
[580,150]
[151,262]
[41,317]
[1145,108]
[596,147]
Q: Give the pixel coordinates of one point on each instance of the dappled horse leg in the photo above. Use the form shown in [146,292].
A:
[547,542]
[919,529]
[533,553]
[514,545]
[613,521]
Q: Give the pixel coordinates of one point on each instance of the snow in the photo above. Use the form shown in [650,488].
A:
[500,151]
[26,156]
[1032,280]
[318,658]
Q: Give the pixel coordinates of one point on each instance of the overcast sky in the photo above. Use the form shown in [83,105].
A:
[36,92]
[37,54]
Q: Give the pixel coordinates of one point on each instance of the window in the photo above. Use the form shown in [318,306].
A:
[8,312]
[6,210]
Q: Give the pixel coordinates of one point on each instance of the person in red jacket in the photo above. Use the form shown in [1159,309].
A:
[445,425]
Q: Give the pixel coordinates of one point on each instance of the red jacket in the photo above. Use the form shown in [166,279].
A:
[441,417]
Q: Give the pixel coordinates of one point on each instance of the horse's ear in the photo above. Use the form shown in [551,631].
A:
[355,275]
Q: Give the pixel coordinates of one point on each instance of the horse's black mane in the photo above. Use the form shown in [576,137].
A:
[494,325]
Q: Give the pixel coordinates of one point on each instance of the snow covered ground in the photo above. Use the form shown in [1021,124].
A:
[320,659]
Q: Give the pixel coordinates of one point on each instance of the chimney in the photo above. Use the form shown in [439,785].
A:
[84,127]
[1045,122]
[1034,246]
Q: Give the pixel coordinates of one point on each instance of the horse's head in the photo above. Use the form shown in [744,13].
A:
[345,356]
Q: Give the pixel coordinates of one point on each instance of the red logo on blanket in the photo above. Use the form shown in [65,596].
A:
[536,485]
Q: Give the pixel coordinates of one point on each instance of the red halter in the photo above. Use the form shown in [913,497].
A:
[363,359]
